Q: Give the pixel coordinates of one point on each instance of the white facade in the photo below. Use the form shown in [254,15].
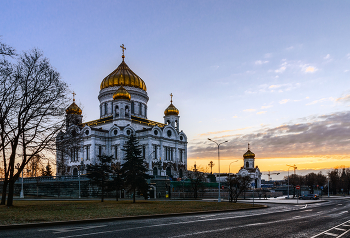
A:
[250,169]
[163,145]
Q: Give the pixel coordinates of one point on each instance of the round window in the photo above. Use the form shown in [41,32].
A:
[156,132]
[169,133]
[181,138]
[128,132]
[115,132]
[87,132]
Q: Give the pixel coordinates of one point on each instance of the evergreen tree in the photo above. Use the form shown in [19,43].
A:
[134,170]
[47,171]
[99,173]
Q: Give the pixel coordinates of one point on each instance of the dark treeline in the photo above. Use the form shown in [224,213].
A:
[339,181]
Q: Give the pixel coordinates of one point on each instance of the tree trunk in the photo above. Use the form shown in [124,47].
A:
[10,195]
[4,192]
[134,196]
[116,194]
[102,190]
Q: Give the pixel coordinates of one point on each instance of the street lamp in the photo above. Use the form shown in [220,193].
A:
[230,166]
[290,166]
[218,144]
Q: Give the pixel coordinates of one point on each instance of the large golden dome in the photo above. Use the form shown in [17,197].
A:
[123,76]
[73,109]
[122,93]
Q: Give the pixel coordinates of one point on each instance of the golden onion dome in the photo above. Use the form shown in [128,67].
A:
[74,109]
[171,110]
[123,76]
[248,154]
[122,93]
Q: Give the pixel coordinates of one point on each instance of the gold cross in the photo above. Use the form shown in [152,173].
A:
[73,96]
[171,95]
[248,146]
[123,48]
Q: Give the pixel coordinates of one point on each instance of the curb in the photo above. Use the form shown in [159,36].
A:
[58,223]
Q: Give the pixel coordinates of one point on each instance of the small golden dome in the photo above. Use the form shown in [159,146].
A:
[248,153]
[171,109]
[122,93]
[123,76]
[73,109]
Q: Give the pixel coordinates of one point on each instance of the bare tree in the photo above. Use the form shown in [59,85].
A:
[237,185]
[32,103]
[197,179]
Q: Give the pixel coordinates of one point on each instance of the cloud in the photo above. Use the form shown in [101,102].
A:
[249,110]
[235,117]
[259,62]
[290,48]
[282,68]
[225,131]
[269,55]
[264,107]
[264,88]
[284,101]
[345,98]
[320,100]
[348,56]
[310,69]
[328,56]
[262,112]
[311,136]
[345,71]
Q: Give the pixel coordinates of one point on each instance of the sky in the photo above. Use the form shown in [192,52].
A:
[274,74]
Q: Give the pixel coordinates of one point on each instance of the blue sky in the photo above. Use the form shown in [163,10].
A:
[237,69]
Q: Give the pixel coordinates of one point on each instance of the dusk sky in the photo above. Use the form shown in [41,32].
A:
[275,74]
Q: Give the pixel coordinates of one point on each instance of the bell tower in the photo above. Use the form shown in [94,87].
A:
[171,115]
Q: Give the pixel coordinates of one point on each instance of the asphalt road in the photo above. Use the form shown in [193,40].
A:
[328,219]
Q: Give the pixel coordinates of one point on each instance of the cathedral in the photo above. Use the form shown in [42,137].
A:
[123,111]
[249,169]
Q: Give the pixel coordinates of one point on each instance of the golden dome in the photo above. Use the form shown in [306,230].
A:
[122,93]
[248,154]
[171,109]
[123,76]
[73,109]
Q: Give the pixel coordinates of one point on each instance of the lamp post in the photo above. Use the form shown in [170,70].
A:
[218,144]
[81,169]
[290,166]
[230,166]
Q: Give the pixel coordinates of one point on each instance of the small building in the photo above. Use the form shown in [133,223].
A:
[250,169]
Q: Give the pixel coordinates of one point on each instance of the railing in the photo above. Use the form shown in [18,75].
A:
[52,178]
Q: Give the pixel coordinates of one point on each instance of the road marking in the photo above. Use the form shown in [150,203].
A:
[340,229]
[328,233]
[186,222]
[70,229]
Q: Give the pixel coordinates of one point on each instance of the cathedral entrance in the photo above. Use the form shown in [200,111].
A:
[75,172]
[168,171]
[155,171]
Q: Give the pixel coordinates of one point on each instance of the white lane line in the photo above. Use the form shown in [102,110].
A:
[331,229]
[330,234]
[340,229]
[70,229]
[344,233]
[185,222]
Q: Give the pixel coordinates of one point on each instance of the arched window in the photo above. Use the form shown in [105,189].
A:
[140,108]
[167,122]
[247,164]
[106,109]
[116,111]
[126,111]
[176,125]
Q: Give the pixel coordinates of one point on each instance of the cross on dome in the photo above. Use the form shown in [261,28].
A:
[74,96]
[123,48]
[171,100]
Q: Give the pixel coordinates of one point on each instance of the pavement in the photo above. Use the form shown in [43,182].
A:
[278,200]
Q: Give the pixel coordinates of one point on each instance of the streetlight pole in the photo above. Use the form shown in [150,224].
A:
[218,144]
[290,166]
